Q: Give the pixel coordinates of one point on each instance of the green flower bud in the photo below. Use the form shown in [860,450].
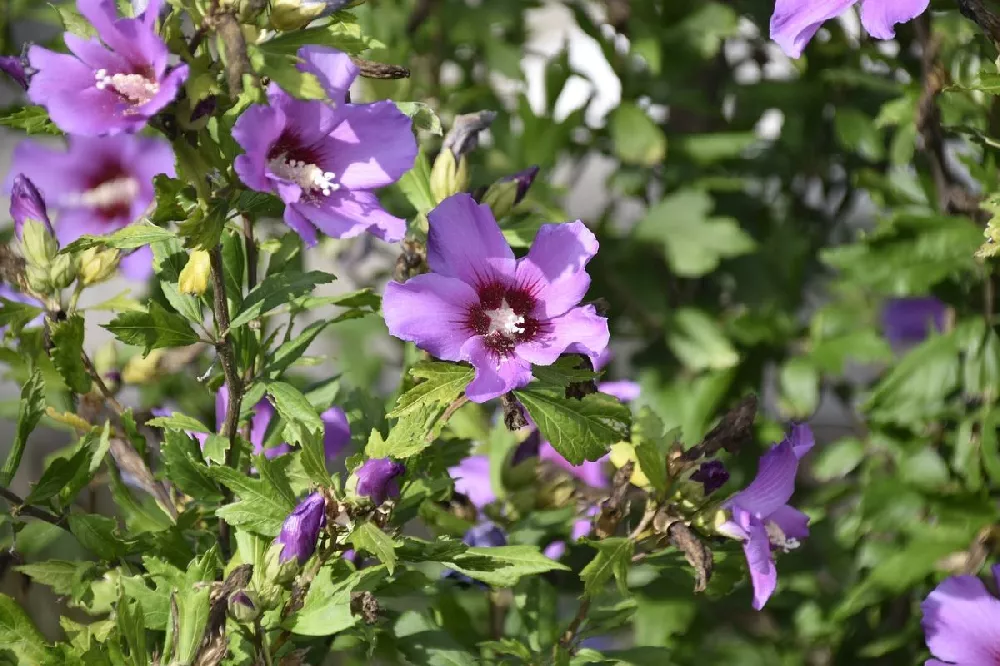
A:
[63,270]
[38,280]
[294,14]
[501,198]
[98,265]
[448,176]
[243,606]
[38,245]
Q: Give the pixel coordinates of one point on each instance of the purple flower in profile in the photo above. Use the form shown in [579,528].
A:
[485,535]
[378,479]
[301,529]
[472,479]
[323,160]
[98,185]
[13,66]
[499,313]
[106,88]
[761,516]
[911,320]
[26,203]
[962,622]
[712,475]
[794,22]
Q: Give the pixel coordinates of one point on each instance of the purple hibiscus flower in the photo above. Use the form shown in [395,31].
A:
[794,22]
[98,185]
[761,516]
[962,622]
[910,320]
[378,479]
[111,87]
[323,160]
[499,313]
[301,529]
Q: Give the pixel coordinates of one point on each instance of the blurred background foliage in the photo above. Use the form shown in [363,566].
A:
[755,214]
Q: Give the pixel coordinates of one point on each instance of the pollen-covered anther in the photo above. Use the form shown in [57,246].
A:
[109,194]
[505,321]
[134,87]
[307,176]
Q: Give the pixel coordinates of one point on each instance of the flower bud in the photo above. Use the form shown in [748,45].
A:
[13,66]
[377,479]
[712,475]
[194,276]
[142,369]
[294,14]
[63,270]
[243,607]
[26,203]
[448,175]
[38,245]
[509,191]
[97,265]
[38,279]
[301,529]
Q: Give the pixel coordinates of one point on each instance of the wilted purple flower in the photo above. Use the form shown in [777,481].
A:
[962,622]
[910,320]
[111,87]
[499,313]
[301,529]
[323,160]
[712,475]
[13,66]
[794,22]
[761,516]
[26,203]
[485,535]
[472,479]
[98,185]
[378,479]
[524,179]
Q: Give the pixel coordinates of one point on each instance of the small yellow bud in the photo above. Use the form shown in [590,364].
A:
[142,369]
[98,265]
[623,453]
[448,176]
[194,277]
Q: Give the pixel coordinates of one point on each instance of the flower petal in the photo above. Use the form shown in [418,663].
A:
[763,574]
[346,214]
[800,436]
[494,375]
[300,225]
[774,483]
[256,131]
[336,432]
[472,479]
[794,22]
[374,145]
[311,120]
[962,622]
[590,472]
[880,16]
[429,311]
[138,265]
[334,69]
[792,522]
[94,55]
[465,241]
[580,326]
[555,267]
[624,390]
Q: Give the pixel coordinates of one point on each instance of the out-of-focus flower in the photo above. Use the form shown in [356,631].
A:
[761,517]
[378,479]
[911,320]
[962,622]
[295,14]
[110,87]
[301,529]
[98,185]
[472,479]
[794,22]
[482,305]
[485,535]
[194,276]
[13,66]
[323,160]
[142,369]
[712,475]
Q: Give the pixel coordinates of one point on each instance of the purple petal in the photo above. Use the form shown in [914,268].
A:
[555,267]
[256,131]
[880,16]
[962,622]
[263,412]
[378,479]
[590,472]
[581,528]
[346,214]
[794,22]
[580,326]
[137,265]
[472,479]
[374,145]
[801,438]
[170,85]
[301,529]
[429,310]
[624,390]
[763,573]
[299,224]
[910,320]
[132,38]
[494,376]
[312,121]
[26,203]
[792,522]
[555,550]
[334,69]
[465,242]
[712,475]
[13,66]
[336,432]
[94,55]
[774,483]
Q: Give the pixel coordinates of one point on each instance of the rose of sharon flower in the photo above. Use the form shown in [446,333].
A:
[962,622]
[482,305]
[324,159]
[301,529]
[472,479]
[111,87]
[794,22]
[98,185]
[378,479]
[761,516]
[911,320]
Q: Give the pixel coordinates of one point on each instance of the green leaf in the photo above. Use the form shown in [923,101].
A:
[637,139]
[74,22]
[503,566]
[64,577]
[98,534]
[17,315]
[291,351]
[422,115]
[415,185]
[260,508]
[130,619]
[698,341]
[31,119]
[327,607]
[838,459]
[913,391]
[178,421]
[19,634]
[694,242]
[193,607]
[29,411]
[169,259]
[443,383]
[614,556]
[651,447]
[423,642]
[367,537]
[202,229]
[277,290]
[294,407]
[67,353]
[578,429]
[410,435]
[58,474]
[346,36]
[175,199]
[155,329]
[133,236]
[185,467]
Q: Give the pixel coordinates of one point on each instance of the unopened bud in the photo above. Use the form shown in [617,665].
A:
[295,14]
[38,279]
[448,175]
[97,265]
[38,245]
[14,67]
[194,276]
[243,607]
[377,479]
[64,270]
[142,369]
[301,529]
[26,203]
[501,198]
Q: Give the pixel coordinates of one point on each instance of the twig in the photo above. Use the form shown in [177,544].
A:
[235,47]
[18,506]
[379,70]
[456,404]
[105,391]
[983,16]
[645,521]
[569,636]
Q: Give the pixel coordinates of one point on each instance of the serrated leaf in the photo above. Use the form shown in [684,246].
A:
[503,566]
[651,447]
[277,290]
[342,35]
[155,329]
[291,351]
[29,412]
[578,429]
[61,575]
[415,185]
[17,315]
[67,353]
[422,115]
[19,634]
[193,606]
[98,534]
[367,537]
[130,620]
[185,467]
[178,421]
[327,607]
[133,236]
[410,435]
[259,509]
[614,556]
[443,383]
[31,119]
[637,139]
[699,342]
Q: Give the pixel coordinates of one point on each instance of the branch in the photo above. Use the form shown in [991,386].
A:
[18,506]
[378,70]
[235,47]
[983,16]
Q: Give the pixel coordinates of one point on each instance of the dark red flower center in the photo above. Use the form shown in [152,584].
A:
[110,192]
[504,316]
